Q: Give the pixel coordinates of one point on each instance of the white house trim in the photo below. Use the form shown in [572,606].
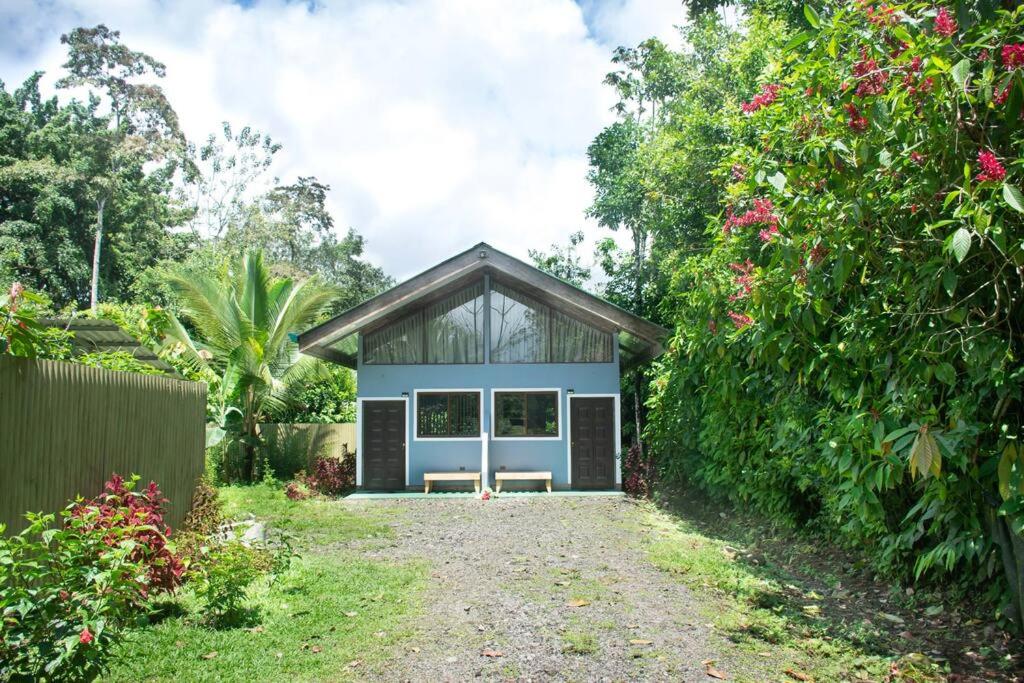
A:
[558,402]
[618,434]
[359,433]
[416,414]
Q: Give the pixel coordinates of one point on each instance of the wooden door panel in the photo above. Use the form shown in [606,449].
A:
[593,442]
[383,445]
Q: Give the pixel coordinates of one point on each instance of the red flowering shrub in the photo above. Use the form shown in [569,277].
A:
[991,169]
[857,122]
[769,93]
[142,511]
[871,79]
[761,214]
[1013,55]
[945,25]
[875,390]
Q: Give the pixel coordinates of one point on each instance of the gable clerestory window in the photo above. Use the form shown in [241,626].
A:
[524,330]
[450,331]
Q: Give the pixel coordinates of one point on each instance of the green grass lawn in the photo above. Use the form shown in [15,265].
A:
[332,616]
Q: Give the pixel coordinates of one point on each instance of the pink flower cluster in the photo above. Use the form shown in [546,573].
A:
[871,79]
[766,235]
[881,17]
[917,158]
[912,78]
[991,169]
[769,93]
[17,289]
[761,214]
[744,279]
[945,25]
[740,320]
[1013,55]
[857,122]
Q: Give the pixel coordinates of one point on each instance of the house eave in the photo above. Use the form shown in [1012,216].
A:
[455,272]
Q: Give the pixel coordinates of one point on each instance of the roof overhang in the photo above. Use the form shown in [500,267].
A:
[335,341]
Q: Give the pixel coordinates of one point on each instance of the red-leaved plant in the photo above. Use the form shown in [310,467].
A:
[121,506]
[332,476]
[639,473]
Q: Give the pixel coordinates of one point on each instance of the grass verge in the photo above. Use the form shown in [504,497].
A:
[332,616]
[773,596]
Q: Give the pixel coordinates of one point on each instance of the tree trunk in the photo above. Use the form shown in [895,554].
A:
[638,297]
[1011,547]
[94,293]
[249,443]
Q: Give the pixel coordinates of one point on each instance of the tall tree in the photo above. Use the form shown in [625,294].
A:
[48,155]
[227,175]
[564,262]
[143,125]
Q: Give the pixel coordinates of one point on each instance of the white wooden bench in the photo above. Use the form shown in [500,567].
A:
[521,476]
[430,477]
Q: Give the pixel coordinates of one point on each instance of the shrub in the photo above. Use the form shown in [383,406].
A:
[225,569]
[332,476]
[847,348]
[224,573]
[141,512]
[207,512]
[639,473]
[68,592]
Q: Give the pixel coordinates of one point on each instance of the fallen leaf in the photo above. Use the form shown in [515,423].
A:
[640,641]
[380,634]
[354,663]
[351,614]
[714,673]
[209,655]
[798,675]
[488,652]
[315,649]
[577,603]
[279,655]
[481,627]
[562,583]
[632,625]
[255,629]
[891,617]
[179,643]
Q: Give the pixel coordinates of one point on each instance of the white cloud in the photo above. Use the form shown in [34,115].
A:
[437,123]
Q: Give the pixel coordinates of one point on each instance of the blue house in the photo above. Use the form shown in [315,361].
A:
[485,370]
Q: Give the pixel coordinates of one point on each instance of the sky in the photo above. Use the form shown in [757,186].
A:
[437,123]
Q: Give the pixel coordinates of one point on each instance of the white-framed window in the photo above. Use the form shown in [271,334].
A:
[526,413]
[448,413]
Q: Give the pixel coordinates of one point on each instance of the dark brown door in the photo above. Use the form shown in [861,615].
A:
[383,445]
[593,442]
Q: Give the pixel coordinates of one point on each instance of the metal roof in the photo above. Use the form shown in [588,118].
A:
[336,339]
[92,335]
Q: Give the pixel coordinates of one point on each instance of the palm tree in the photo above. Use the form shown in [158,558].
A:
[242,318]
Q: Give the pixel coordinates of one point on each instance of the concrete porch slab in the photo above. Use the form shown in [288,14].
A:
[366,495]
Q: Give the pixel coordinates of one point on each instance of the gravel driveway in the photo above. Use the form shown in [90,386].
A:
[537,588]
